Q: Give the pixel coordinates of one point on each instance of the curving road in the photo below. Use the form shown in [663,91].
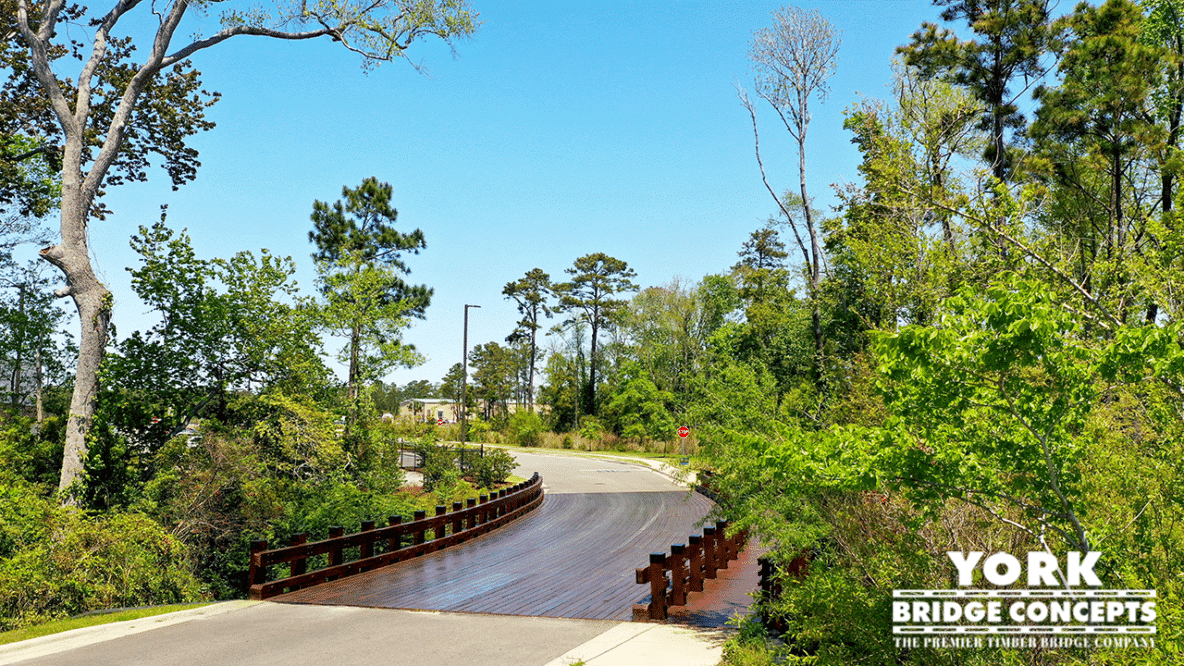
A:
[573,557]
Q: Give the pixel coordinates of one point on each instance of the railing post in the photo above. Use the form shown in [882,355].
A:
[483,499]
[457,525]
[396,541]
[657,576]
[440,528]
[366,549]
[469,504]
[258,572]
[766,577]
[695,584]
[419,529]
[722,551]
[709,553]
[678,575]
[335,554]
[300,564]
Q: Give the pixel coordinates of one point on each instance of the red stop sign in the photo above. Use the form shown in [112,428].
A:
[684,432]
[440,422]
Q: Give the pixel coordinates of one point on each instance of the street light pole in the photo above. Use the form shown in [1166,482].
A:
[464,383]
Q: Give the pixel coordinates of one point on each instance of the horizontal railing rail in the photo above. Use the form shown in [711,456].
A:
[688,565]
[426,534]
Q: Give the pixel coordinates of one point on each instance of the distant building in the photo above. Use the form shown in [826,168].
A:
[429,410]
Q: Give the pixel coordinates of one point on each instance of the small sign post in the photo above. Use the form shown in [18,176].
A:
[683,433]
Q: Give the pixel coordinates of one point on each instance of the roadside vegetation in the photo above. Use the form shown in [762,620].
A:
[91,620]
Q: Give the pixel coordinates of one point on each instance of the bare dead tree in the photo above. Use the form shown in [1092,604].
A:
[791,61]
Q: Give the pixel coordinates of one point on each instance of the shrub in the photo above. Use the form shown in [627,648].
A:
[478,430]
[494,468]
[77,563]
[31,451]
[590,427]
[525,429]
[439,465]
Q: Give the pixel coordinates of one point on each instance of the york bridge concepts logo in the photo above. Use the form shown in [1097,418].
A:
[1071,612]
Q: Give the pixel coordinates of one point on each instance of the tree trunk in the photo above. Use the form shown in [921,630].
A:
[14,395]
[93,302]
[355,336]
[592,371]
[38,384]
[530,380]
[815,256]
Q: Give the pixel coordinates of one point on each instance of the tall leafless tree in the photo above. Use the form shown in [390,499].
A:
[791,61]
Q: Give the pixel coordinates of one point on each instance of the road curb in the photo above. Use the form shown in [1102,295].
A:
[76,638]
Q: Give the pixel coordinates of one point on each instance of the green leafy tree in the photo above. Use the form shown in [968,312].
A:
[360,274]
[451,382]
[588,297]
[493,378]
[992,404]
[1163,28]
[1101,117]
[115,112]
[639,410]
[531,292]
[1010,40]
[32,353]
[224,330]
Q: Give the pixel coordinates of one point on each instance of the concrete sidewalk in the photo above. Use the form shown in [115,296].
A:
[645,644]
[262,633]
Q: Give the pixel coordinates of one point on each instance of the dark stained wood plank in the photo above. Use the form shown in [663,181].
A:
[572,557]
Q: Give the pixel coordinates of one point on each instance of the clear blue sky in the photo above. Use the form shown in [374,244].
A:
[561,129]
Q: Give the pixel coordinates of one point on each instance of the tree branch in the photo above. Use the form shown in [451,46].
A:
[756,136]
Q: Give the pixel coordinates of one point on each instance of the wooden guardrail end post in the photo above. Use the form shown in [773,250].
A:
[258,572]
[657,578]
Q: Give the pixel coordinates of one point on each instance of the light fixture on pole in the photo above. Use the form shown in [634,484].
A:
[464,382]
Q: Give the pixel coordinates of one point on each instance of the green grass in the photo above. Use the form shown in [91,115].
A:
[59,626]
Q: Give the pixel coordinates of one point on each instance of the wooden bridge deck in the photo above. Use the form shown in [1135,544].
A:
[573,557]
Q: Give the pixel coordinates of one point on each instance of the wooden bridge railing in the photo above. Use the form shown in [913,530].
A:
[771,587]
[445,528]
[689,565]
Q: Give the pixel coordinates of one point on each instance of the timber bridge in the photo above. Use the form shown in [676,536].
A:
[585,538]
